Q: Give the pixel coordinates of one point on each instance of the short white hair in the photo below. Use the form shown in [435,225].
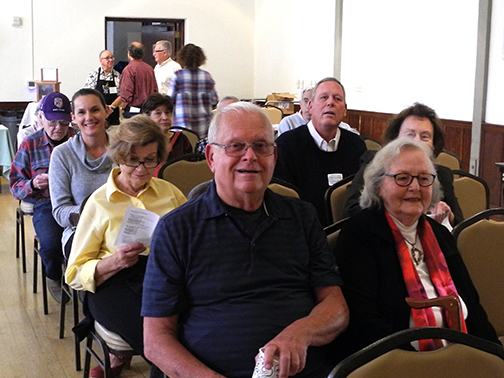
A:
[236,108]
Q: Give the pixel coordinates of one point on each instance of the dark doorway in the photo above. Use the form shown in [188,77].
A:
[120,32]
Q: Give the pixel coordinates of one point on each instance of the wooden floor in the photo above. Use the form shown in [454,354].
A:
[29,343]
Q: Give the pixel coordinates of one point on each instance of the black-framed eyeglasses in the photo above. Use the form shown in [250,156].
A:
[147,163]
[405,179]
[108,58]
[157,51]
[238,149]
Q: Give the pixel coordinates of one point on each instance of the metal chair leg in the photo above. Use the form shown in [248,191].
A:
[20,237]
[73,295]
[36,245]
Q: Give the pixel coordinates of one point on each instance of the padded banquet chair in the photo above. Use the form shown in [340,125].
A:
[275,114]
[193,136]
[36,246]
[371,144]
[480,241]
[278,186]
[466,357]
[448,159]
[472,193]
[24,209]
[335,199]
[108,342]
[186,171]
[283,187]
[332,233]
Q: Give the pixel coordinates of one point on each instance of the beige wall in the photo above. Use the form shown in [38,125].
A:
[70,34]
[394,52]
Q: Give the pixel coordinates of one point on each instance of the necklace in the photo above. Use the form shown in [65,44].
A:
[416,254]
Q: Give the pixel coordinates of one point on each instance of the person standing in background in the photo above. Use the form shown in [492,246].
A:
[137,81]
[106,81]
[166,66]
[193,91]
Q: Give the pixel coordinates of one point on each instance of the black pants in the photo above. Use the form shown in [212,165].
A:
[117,303]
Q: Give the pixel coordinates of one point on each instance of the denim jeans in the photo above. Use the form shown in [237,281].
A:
[49,233]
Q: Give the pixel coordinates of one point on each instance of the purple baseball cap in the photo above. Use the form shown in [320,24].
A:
[56,105]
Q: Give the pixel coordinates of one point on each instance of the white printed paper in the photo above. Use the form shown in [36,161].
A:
[137,227]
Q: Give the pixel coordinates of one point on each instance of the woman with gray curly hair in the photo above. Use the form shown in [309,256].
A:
[392,250]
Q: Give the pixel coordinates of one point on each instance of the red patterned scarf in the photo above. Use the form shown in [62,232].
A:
[438,271]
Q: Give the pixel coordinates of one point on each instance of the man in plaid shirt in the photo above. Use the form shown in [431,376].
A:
[29,181]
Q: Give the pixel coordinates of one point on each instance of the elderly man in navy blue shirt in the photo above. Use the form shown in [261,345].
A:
[241,268]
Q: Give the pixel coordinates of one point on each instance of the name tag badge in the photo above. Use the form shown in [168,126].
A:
[112,90]
[333,178]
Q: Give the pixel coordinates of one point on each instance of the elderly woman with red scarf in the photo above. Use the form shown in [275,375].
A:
[391,251]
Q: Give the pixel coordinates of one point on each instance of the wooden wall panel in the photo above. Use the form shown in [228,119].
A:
[13,105]
[492,151]
[458,140]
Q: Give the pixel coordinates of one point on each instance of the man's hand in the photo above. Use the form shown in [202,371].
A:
[290,350]
[41,181]
[326,321]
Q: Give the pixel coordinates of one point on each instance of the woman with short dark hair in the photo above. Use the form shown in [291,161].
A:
[421,123]
[159,108]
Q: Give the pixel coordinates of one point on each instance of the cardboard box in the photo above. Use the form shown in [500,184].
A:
[284,101]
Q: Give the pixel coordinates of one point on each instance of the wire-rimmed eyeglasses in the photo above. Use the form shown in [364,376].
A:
[238,149]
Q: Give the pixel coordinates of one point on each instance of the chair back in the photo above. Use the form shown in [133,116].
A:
[371,144]
[480,241]
[335,199]
[283,187]
[332,232]
[275,114]
[186,171]
[448,159]
[472,193]
[190,134]
[467,356]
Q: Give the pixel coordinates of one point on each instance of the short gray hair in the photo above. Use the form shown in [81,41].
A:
[236,108]
[326,80]
[165,45]
[305,90]
[376,170]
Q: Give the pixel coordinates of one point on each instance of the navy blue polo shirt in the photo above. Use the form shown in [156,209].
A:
[234,290]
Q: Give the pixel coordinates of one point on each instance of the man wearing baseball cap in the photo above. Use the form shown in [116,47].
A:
[29,181]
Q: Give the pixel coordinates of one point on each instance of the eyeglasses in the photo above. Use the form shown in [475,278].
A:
[147,163]
[405,179]
[108,58]
[57,122]
[157,51]
[238,149]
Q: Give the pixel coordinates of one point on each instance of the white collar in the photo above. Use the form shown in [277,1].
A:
[330,146]
[165,62]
